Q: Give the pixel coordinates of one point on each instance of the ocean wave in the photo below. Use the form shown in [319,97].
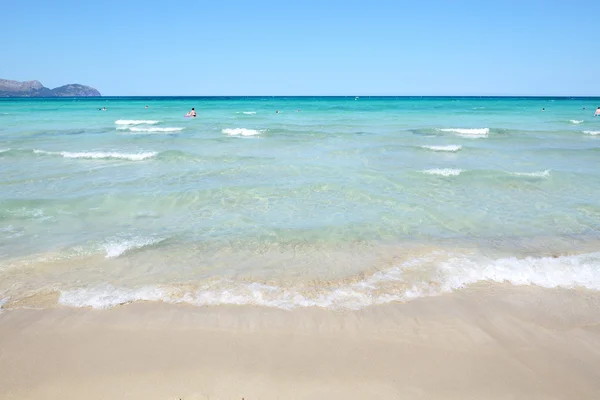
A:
[10,232]
[108,296]
[539,174]
[450,147]
[4,150]
[443,171]
[117,247]
[29,213]
[470,133]
[247,112]
[136,122]
[576,121]
[241,132]
[431,275]
[100,155]
[154,129]
[594,133]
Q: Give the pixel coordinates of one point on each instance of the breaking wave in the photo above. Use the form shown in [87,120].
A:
[539,174]
[116,247]
[241,132]
[451,147]
[470,133]
[100,155]
[153,129]
[443,171]
[421,277]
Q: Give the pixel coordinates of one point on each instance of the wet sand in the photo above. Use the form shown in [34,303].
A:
[487,342]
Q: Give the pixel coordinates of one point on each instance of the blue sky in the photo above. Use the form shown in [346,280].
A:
[152,47]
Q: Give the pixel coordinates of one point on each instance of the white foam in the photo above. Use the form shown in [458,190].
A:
[576,121]
[4,150]
[136,122]
[10,232]
[241,132]
[248,112]
[443,171]
[470,133]
[539,174]
[592,132]
[154,129]
[101,155]
[567,272]
[116,247]
[427,276]
[36,213]
[450,147]
[108,296]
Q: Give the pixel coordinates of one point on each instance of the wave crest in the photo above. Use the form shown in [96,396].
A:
[108,296]
[425,276]
[450,147]
[470,133]
[539,174]
[443,171]
[100,155]
[117,247]
[241,132]
[154,129]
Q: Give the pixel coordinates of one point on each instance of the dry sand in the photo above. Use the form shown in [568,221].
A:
[488,342]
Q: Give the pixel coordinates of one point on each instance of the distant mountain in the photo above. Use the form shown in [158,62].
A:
[74,89]
[36,89]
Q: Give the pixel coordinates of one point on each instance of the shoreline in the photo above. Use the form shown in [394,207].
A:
[493,341]
[353,280]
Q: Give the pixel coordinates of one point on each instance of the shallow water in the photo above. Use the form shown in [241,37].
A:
[333,202]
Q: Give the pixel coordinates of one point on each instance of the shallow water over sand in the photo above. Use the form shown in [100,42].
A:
[330,202]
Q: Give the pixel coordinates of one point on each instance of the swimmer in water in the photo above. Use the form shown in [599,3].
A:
[191,113]
[597,113]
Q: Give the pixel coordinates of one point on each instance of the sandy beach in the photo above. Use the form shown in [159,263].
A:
[493,342]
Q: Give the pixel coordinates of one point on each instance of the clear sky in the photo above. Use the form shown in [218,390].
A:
[286,47]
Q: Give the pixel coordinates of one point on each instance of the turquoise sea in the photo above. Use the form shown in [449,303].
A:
[336,202]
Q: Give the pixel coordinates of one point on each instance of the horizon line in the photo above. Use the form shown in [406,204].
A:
[305,95]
